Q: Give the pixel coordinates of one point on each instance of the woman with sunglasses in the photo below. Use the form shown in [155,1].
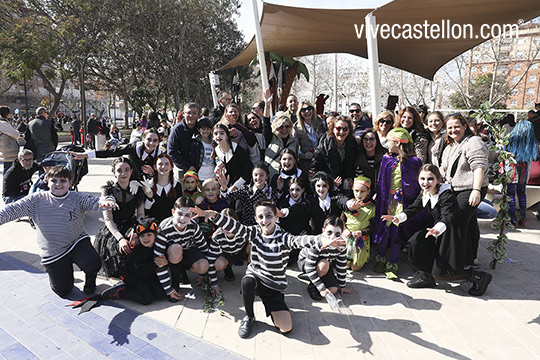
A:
[254,123]
[113,239]
[409,119]
[384,122]
[370,155]
[337,152]
[308,129]
[278,136]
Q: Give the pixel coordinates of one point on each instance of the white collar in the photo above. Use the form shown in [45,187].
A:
[226,157]
[160,189]
[426,197]
[285,176]
[325,204]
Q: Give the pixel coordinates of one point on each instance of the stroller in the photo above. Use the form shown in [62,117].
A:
[78,168]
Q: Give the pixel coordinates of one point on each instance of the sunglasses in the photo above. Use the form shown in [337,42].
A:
[355,111]
[388,122]
[309,108]
[139,228]
[344,129]
[367,139]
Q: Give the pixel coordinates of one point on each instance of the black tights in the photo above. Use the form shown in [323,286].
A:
[248,285]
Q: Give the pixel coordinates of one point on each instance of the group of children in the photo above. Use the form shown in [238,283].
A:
[284,219]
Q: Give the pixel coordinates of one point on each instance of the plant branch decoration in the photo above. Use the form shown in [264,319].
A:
[212,299]
[501,168]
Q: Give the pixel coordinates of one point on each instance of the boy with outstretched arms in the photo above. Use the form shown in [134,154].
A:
[265,275]
[62,239]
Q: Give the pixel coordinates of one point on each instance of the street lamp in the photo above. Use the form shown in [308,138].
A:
[83,101]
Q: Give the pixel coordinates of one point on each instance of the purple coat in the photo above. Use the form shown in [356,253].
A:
[410,190]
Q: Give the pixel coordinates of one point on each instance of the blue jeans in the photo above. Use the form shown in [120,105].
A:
[485,210]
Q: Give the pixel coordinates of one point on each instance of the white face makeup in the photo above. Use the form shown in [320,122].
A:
[360,191]
[122,172]
[59,186]
[428,182]
[181,217]
[332,232]
[151,141]
[321,189]
[211,192]
[287,162]
[295,191]
[219,135]
[266,219]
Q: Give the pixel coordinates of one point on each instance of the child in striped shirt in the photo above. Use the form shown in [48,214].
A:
[182,242]
[226,248]
[265,275]
[320,265]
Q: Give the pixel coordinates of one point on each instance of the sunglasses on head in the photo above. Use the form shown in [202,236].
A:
[355,110]
[309,108]
[139,228]
[382,121]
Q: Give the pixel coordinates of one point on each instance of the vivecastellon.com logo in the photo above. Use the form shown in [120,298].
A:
[443,30]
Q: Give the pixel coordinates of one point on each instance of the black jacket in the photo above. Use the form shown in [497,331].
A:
[17,181]
[326,157]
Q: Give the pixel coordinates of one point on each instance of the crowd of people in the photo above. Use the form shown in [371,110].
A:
[296,188]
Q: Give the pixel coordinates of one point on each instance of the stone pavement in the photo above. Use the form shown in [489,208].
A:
[383,319]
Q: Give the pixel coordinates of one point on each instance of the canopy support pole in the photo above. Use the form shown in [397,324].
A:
[335,84]
[373,59]
[260,48]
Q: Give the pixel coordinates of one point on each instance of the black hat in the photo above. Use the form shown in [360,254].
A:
[146,224]
[47,162]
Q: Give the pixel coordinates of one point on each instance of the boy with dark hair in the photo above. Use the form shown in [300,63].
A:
[62,239]
[184,246]
[265,275]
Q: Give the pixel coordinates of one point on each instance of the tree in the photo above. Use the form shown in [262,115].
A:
[479,91]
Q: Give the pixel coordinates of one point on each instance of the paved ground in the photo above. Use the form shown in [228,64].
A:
[383,319]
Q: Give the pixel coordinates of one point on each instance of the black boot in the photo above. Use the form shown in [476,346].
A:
[480,281]
[229,274]
[421,279]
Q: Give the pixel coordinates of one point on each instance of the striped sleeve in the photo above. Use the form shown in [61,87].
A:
[18,209]
[231,225]
[89,202]
[340,263]
[310,268]
[160,249]
[212,255]
[300,241]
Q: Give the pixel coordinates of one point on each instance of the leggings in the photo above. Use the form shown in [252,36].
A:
[61,271]
[467,224]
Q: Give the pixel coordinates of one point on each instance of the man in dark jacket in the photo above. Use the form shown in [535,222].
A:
[217,112]
[92,127]
[179,142]
[43,134]
[76,128]
[18,178]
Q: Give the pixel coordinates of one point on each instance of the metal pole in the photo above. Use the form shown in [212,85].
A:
[373,58]
[25,96]
[260,48]
[212,78]
[83,103]
[335,84]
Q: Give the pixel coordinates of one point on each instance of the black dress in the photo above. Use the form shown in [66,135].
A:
[297,222]
[442,255]
[162,204]
[124,219]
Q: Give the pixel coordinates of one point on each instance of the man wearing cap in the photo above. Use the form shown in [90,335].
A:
[18,178]
[43,134]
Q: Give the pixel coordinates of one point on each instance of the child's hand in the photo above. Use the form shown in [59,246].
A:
[134,186]
[354,204]
[325,292]
[432,232]
[345,290]
[161,261]
[338,181]
[335,242]
[123,244]
[217,289]
[147,187]
[110,205]
[221,177]
[198,213]
[281,213]
[268,96]
[233,133]
[176,295]
[279,183]
[147,169]
[389,218]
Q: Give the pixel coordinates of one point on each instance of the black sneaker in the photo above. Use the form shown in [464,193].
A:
[421,279]
[246,326]
[480,281]
[114,291]
[313,292]
[229,274]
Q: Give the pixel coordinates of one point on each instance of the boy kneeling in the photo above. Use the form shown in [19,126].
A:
[59,216]
[265,274]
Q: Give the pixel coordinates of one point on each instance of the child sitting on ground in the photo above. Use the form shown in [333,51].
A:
[359,211]
[320,265]
[225,249]
[212,201]
[191,187]
[265,274]
[182,242]
[62,239]
[140,282]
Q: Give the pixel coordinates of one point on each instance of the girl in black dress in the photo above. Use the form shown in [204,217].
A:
[163,190]
[288,170]
[437,250]
[112,242]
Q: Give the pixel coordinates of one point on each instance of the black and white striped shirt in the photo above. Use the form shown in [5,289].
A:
[269,253]
[220,244]
[189,238]
[333,255]
[60,220]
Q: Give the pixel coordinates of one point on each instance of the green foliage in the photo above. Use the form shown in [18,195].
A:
[479,91]
[212,300]
[287,62]
[502,222]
